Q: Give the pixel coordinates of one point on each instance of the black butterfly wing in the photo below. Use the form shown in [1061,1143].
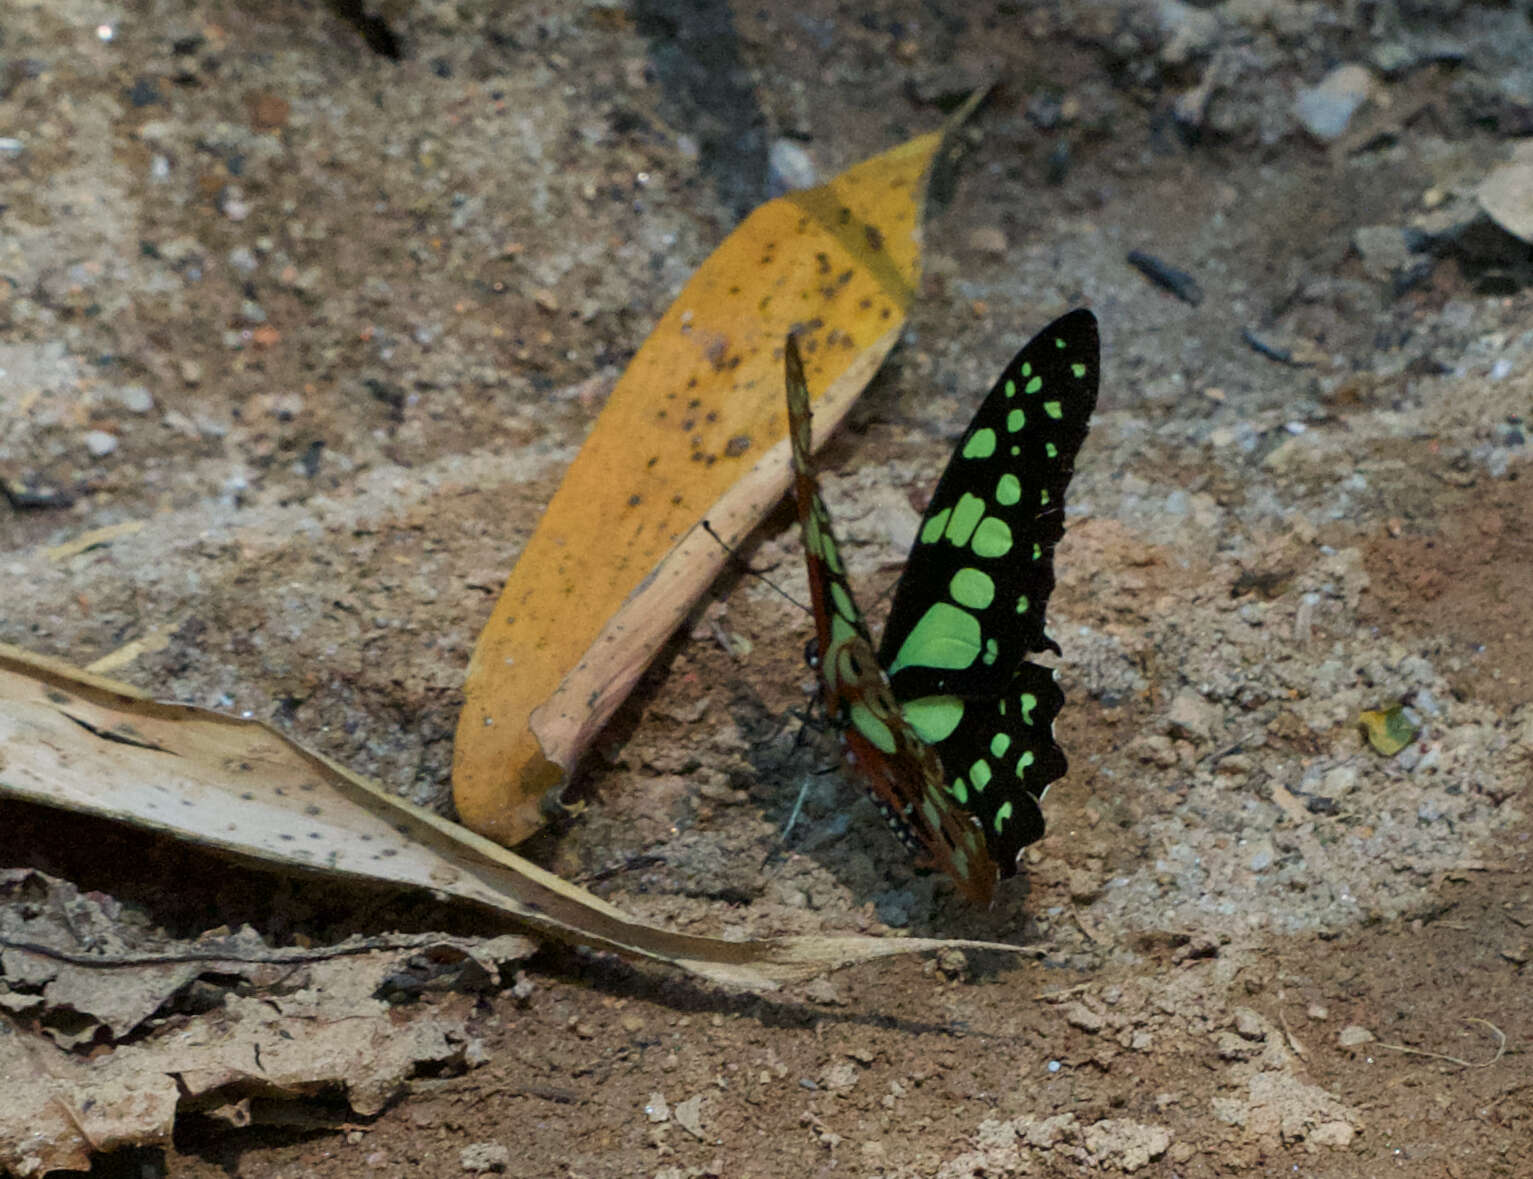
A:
[970,605]
[998,756]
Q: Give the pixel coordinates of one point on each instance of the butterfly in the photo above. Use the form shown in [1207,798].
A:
[948,723]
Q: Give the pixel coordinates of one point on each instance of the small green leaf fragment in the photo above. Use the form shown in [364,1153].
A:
[1389,730]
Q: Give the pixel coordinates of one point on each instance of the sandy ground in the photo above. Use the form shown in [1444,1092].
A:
[329,320]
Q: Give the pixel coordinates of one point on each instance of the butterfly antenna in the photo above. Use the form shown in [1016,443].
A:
[762,577]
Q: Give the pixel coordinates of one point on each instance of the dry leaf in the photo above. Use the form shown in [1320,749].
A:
[60,1108]
[75,740]
[82,975]
[694,430]
[271,1023]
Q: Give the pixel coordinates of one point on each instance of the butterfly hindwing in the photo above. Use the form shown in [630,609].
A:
[970,605]
[1001,757]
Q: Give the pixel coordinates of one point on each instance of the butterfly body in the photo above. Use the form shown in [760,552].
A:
[947,722]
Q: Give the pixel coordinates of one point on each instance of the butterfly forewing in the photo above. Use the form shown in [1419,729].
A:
[902,772]
[970,605]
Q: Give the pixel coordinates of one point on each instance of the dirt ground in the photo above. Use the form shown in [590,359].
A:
[324,297]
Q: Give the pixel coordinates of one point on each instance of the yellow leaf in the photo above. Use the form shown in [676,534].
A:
[694,430]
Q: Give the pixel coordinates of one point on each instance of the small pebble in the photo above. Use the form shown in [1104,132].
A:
[1353,1035]
[100,443]
[1325,110]
[789,167]
[135,399]
[483,1157]
[988,239]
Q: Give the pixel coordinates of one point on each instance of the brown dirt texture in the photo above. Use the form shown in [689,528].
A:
[316,301]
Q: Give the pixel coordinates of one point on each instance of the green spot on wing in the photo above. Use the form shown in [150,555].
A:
[946,637]
[1008,490]
[1034,385]
[843,600]
[934,718]
[999,744]
[966,517]
[932,529]
[872,726]
[980,773]
[1077,371]
[1053,409]
[973,588]
[1002,816]
[992,539]
[981,445]
[1015,420]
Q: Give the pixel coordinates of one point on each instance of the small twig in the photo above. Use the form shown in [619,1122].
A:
[1056,996]
[1293,1041]
[276,954]
[1495,1031]
[1091,932]
[1167,277]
